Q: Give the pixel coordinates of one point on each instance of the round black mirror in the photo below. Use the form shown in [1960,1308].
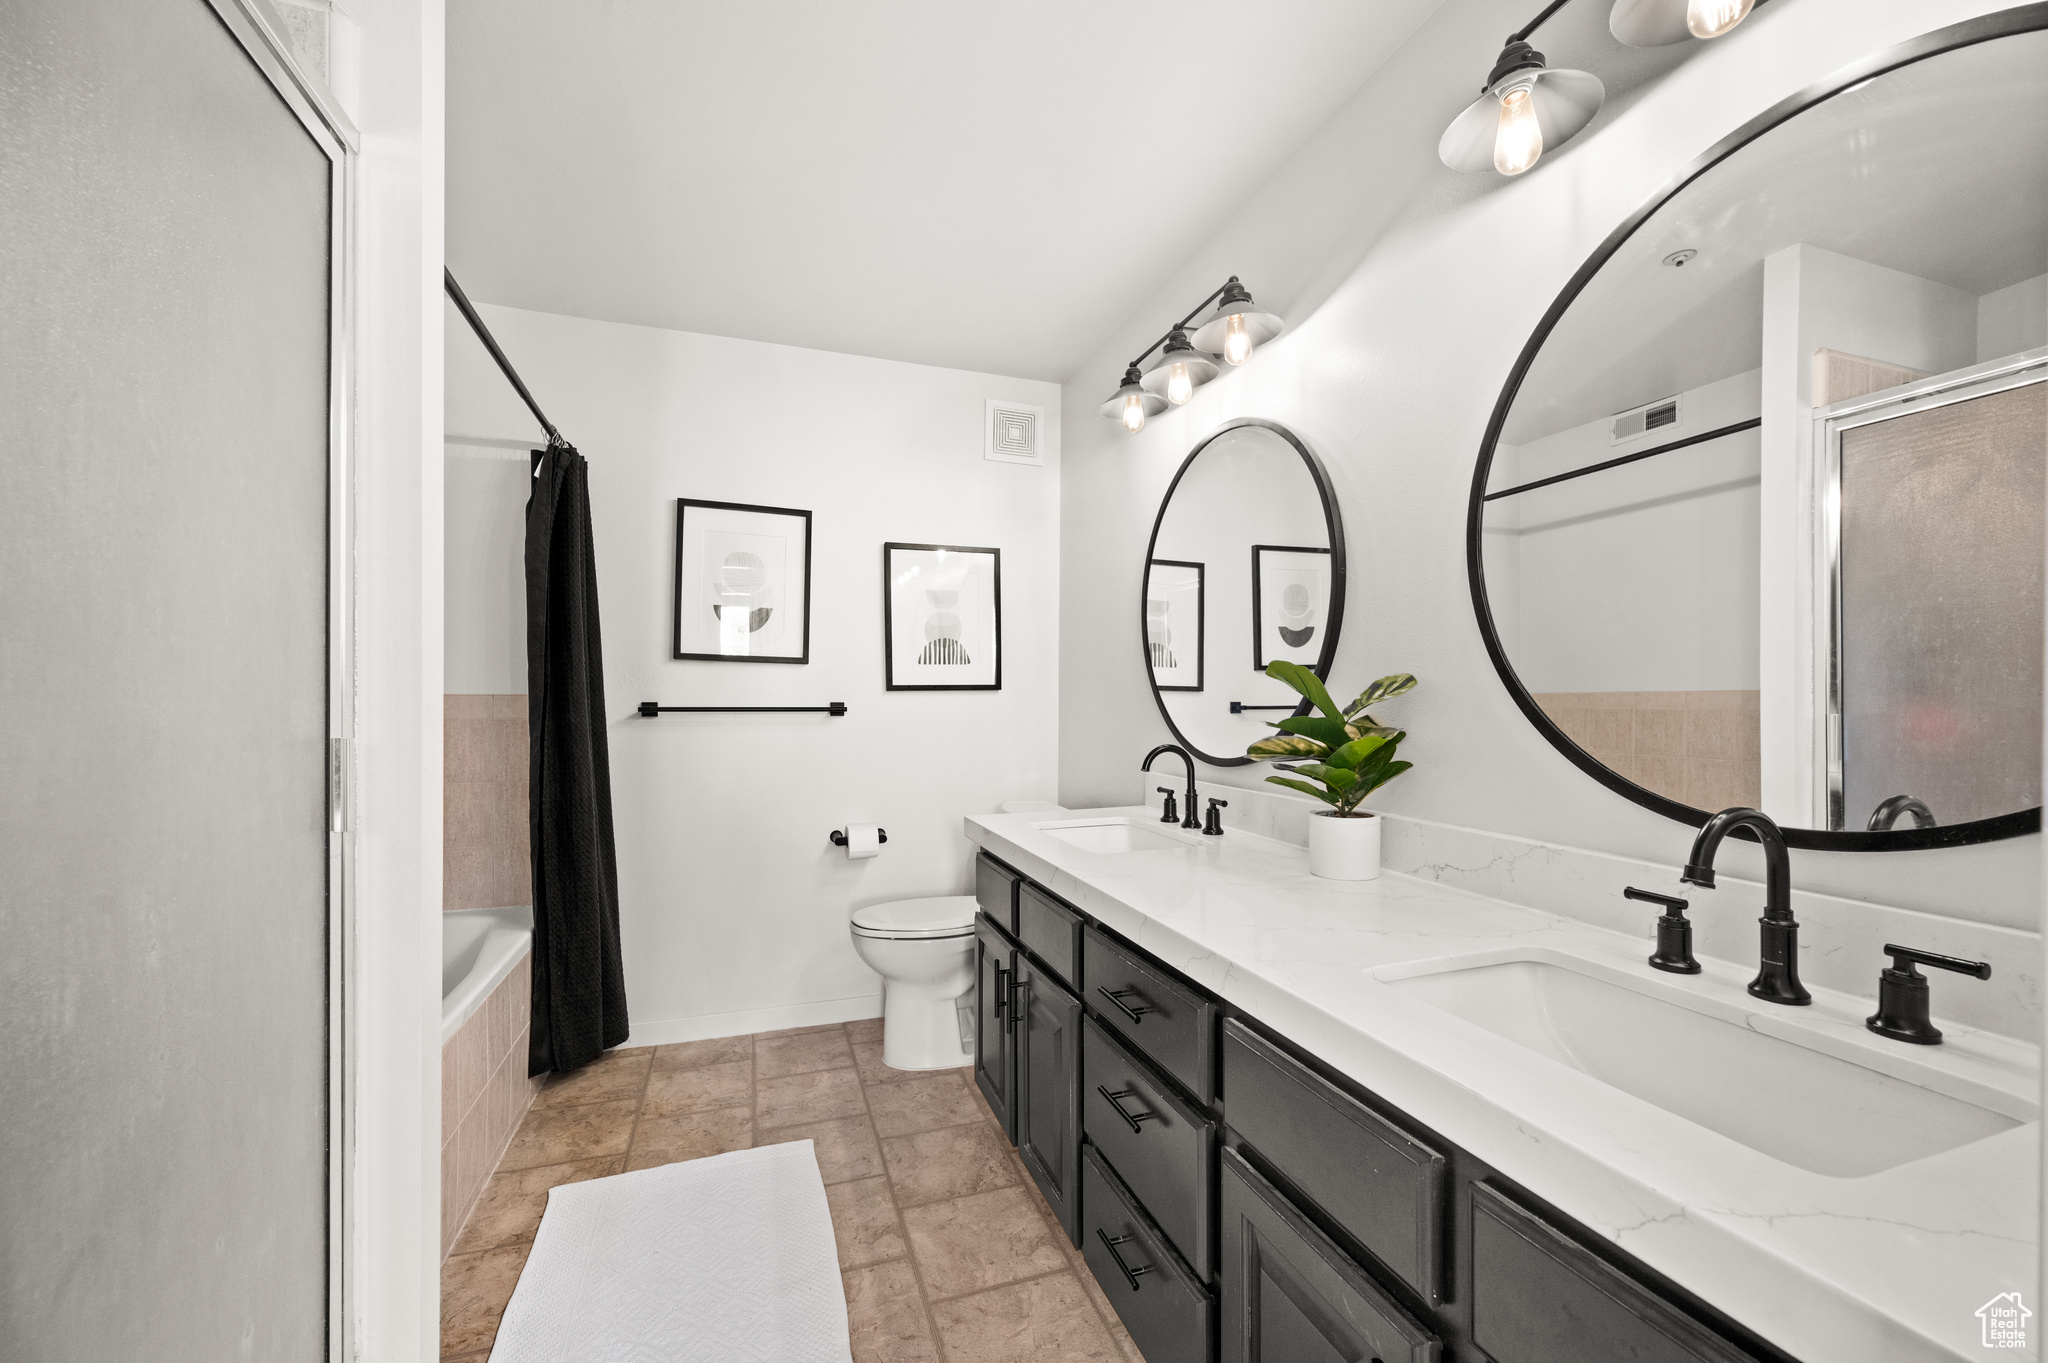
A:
[1245,566]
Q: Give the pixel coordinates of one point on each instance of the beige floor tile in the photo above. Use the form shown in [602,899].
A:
[971,1244]
[924,1104]
[688,1055]
[885,1315]
[864,1222]
[612,1077]
[954,1161]
[483,1357]
[509,1210]
[670,1093]
[1027,1322]
[690,1135]
[780,1053]
[474,1290]
[560,1135]
[1100,1302]
[846,1146]
[866,1029]
[815,1097]
[867,1055]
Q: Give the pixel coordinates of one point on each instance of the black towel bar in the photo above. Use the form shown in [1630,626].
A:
[1238,707]
[648,709]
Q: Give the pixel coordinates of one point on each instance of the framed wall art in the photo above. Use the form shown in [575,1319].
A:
[1290,604]
[942,617]
[1174,623]
[743,583]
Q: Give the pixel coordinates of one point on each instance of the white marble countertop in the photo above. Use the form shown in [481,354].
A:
[1890,1266]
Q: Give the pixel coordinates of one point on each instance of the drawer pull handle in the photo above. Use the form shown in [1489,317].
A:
[1116,996]
[1118,1108]
[1131,1275]
[1015,985]
[1002,991]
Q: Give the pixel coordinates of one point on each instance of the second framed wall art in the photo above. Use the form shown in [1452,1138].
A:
[942,617]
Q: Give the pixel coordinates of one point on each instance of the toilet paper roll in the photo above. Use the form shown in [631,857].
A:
[862,840]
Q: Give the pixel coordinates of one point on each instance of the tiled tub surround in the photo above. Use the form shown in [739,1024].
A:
[484,840]
[1892,1265]
[1701,748]
[948,1254]
[484,1094]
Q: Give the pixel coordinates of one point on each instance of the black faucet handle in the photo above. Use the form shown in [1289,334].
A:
[1902,993]
[1905,958]
[1171,813]
[1674,932]
[1213,824]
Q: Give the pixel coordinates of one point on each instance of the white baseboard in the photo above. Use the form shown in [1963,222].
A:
[669,1031]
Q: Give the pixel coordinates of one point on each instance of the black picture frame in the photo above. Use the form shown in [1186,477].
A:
[995,557]
[683,507]
[1333,523]
[1201,621]
[1258,626]
[2026,18]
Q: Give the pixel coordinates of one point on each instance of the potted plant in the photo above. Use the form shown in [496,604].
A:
[1349,756]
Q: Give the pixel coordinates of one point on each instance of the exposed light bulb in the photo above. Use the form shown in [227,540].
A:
[1180,385]
[1134,412]
[1237,339]
[1712,18]
[1519,141]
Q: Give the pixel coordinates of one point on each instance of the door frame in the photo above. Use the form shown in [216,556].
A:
[261,34]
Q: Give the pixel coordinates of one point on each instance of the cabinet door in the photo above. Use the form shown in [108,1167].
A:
[995,1038]
[1049,1090]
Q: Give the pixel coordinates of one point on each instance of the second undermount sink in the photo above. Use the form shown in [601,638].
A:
[1679,1052]
[1111,835]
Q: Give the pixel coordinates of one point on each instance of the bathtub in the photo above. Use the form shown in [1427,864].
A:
[479,948]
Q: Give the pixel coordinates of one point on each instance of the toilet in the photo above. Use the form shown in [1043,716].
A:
[924,951]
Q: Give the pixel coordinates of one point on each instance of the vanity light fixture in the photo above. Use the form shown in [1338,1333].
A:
[1185,362]
[1132,404]
[1658,23]
[1523,110]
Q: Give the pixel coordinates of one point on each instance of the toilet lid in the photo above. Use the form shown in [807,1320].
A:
[945,916]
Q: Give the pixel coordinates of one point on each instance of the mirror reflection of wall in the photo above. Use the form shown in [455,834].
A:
[1241,572]
[1764,522]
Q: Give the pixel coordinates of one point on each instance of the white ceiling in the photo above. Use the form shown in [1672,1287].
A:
[1932,170]
[989,187]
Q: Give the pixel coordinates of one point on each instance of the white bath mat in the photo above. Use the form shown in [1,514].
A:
[728,1258]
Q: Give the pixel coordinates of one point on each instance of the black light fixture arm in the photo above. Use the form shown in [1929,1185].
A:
[1181,325]
[483,333]
[1521,35]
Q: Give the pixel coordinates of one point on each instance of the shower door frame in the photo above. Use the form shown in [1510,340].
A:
[256,27]
[1829,424]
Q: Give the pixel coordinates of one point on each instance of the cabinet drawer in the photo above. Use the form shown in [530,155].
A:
[1161,1147]
[1290,1295]
[1539,1296]
[1166,1310]
[995,889]
[1174,1026]
[1051,931]
[1382,1186]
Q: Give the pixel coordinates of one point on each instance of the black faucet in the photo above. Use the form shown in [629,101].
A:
[1902,994]
[1890,811]
[1777,976]
[1192,820]
[1213,825]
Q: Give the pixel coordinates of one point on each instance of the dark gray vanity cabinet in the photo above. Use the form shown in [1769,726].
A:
[1168,1311]
[1161,1145]
[1050,931]
[1048,1092]
[995,1040]
[995,891]
[1172,1023]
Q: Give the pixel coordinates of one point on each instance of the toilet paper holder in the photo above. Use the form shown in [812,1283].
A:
[839,836]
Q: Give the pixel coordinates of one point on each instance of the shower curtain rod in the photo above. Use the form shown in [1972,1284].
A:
[483,333]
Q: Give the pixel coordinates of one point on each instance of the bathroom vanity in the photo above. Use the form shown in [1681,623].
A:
[1291,1119]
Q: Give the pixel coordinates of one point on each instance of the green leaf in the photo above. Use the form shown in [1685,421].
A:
[1286,745]
[1307,683]
[1331,733]
[1354,753]
[1366,787]
[1336,778]
[1305,788]
[1386,688]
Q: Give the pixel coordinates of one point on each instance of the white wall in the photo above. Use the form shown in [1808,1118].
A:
[485,561]
[1392,377]
[734,907]
[2012,319]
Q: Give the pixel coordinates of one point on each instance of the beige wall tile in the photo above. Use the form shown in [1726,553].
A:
[1659,733]
[455,706]
[508,707]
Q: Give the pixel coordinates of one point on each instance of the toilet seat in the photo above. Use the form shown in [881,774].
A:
[917,919]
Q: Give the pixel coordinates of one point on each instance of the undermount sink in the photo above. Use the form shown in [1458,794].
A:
[1798,1105]
[1111,835]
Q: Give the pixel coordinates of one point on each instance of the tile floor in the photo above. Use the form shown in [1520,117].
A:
[948,1253]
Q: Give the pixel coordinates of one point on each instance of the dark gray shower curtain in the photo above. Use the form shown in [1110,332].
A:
[579,985]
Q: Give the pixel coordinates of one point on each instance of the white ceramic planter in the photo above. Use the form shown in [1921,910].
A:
[1344,849]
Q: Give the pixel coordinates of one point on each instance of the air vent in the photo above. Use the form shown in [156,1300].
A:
[1629,425]
[1014,433]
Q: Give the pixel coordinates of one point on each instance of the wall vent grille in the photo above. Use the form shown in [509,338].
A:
[1643,420]
[1014,432]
